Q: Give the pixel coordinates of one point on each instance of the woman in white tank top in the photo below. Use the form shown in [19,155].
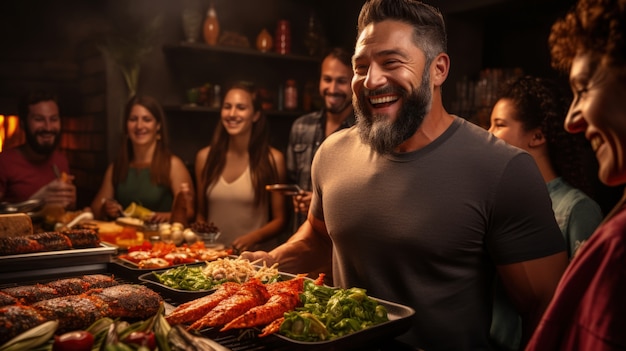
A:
[232,173]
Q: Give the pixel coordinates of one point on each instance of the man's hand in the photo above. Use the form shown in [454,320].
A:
[58,192]
[302,201]
[261,256]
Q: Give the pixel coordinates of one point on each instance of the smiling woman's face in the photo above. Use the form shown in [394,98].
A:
[599,111]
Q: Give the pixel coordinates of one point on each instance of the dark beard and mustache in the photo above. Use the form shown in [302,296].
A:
[43,149]
[340,108]
[384,134]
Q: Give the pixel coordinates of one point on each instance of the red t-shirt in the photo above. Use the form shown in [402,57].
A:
[20,179]
[588,311]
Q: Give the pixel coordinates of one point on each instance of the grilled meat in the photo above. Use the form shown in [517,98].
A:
[195,309]
[73,312]
[6,299]
[19,245]
[16,319]
[129,301]
[28,294]
[69,286]
[252,293]
[49,241]
[52,241]
[83,238]
[99,281]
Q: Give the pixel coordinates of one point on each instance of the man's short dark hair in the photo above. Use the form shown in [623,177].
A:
[341,54]
[34,97]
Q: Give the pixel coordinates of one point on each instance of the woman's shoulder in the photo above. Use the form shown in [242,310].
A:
[277,154]
[202,153]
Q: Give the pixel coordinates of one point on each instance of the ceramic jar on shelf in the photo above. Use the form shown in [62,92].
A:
[211,28]
[264,41]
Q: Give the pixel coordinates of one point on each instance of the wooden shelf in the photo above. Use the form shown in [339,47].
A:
[199,48]
[195,109]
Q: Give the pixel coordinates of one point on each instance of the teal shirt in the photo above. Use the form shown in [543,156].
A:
[577,214]
[138,188]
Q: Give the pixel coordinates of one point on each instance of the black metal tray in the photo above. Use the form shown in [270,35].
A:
[180,295]
[399,322]
[380,337]
[177,295]
[14,267]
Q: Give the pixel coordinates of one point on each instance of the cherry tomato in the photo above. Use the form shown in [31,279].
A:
[79,340]
[141,339]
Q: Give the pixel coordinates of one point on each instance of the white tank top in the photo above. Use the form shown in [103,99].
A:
[232,209]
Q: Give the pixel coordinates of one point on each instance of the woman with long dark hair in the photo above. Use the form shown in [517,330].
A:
[145,170]
[233,171]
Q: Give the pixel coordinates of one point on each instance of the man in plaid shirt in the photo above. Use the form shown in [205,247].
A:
[310,130]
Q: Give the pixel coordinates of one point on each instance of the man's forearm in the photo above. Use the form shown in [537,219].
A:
[305,252]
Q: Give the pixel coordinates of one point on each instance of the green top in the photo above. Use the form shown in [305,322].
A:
[138,188]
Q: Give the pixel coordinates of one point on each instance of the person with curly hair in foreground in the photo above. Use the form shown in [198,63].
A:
[588,311]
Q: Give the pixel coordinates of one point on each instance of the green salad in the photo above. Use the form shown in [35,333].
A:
[329,313]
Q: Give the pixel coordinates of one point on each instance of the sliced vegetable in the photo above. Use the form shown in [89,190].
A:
[328,313]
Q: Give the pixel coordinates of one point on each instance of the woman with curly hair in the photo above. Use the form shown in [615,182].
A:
[588,311]
[529,113]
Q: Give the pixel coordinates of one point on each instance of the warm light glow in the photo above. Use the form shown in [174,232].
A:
[9,128]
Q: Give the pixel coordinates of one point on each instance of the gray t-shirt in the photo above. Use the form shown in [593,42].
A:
[427,228]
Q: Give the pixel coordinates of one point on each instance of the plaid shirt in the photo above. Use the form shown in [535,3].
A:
[307,134]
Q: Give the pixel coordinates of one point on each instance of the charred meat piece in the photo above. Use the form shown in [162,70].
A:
[16,245]
[83,238]
[73,312]
[16,319]
[49,241]
[96,281]
[53,241]
[129,301]
[69,286]
[28,294]
[6,299]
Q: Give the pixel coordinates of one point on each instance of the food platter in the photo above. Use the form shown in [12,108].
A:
[181,295]
[177,295]
[399,322]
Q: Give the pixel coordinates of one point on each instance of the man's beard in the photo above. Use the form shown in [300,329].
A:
[43,149]
[383,134]
[336,109]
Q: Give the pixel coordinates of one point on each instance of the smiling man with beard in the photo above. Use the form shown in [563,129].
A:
[37,169]
[422,207]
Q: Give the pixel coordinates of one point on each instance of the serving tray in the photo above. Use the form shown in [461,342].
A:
[49,262]
[399,322]
[168,292]
[180,295]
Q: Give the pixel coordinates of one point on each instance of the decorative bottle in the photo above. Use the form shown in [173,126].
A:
[291,95]
[282,41]
[211,26]
[182,207]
